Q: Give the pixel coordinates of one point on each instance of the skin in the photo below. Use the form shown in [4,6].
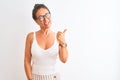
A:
[46,41]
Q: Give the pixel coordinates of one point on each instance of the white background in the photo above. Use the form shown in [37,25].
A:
[93,37]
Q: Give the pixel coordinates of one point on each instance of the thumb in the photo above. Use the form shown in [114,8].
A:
[64,30]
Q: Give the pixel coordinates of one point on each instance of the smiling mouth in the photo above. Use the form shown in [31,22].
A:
[46,24]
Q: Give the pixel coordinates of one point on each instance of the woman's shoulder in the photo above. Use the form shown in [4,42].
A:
[30,36]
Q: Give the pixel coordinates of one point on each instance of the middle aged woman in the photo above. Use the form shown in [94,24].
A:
[43,46]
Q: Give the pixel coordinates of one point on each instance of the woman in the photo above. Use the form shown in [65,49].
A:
[43,46]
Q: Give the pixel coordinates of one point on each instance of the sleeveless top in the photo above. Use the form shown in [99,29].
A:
[43,61]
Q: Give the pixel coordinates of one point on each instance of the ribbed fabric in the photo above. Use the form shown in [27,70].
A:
[43,61]
[55,76]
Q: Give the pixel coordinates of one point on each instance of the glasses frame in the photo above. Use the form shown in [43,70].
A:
[42,17]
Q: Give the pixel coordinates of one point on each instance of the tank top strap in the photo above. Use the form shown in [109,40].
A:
[56,41]
[34,36]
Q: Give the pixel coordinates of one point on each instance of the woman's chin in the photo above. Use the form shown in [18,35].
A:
[47,26]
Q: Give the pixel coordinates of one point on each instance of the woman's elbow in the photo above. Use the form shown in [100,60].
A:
[64,60]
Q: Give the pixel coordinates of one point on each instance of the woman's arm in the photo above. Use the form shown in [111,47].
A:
[63,51]
[27,57]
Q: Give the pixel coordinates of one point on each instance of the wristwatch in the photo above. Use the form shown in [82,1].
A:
[63,45]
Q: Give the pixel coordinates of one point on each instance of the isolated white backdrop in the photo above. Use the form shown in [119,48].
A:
[93,37]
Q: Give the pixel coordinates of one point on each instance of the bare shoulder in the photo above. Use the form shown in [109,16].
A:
[29,36]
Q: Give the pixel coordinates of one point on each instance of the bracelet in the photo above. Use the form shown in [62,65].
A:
[63,45]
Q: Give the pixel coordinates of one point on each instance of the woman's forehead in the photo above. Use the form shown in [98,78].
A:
[42,11]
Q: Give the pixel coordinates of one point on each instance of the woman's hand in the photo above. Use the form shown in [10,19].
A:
[61,37]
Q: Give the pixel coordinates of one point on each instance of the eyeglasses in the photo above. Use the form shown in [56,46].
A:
[42,17]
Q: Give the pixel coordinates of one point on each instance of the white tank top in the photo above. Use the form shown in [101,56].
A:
[43,61]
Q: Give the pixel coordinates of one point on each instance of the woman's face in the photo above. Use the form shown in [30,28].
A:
[43,18]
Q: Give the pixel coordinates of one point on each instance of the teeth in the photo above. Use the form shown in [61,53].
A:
[46,23]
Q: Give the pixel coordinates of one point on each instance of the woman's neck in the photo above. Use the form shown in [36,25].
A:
[45,31]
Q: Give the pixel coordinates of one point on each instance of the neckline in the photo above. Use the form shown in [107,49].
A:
[40,46]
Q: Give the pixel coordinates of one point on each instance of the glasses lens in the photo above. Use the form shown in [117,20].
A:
[47,15]
[41,18]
